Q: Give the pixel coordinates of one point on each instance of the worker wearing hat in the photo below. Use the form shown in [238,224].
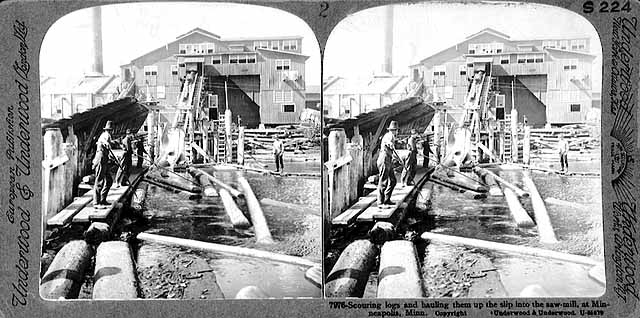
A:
[386,175]
[101,167]
[426,148]
[278,153]
[124,171]
[411,162]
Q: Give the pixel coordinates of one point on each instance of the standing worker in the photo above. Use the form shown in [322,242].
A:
[563,150]
[410,164]
[386,175]
[426,149]
[102,167]
[140,152]
[278,153]
[124,171]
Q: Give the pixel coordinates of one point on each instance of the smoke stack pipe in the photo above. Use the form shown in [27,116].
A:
[96,44]
[388,40]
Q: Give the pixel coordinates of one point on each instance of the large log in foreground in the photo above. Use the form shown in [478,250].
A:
[260,227]
[213,247]
[65,274]
[545,229]
[509,248]
[114,276]
[349,275]
[399,273]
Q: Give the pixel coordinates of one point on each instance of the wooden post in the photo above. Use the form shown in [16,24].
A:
[241,146]
[501,143]
[52,141]
[73,141]
[526,146]
[227,132]
[492,143]
[514,135]
[260,227]
[216,150]
[337,189]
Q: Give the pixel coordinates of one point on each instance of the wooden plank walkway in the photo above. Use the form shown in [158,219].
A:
[349,215]
[90,213]
[66,215]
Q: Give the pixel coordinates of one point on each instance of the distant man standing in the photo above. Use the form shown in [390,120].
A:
[278,153]
[411,162]
[426,149]
[386,175]
[124,171]
[101,167]
[140,152]
[563,150]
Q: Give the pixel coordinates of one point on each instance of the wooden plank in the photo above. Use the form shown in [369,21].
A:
[349,215]
[90,213]
[335,164]
[66,215]
[375,212]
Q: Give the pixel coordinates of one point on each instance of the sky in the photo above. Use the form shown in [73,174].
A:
[131,30]
[355,47]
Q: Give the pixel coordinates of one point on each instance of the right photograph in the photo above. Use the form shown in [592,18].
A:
[462,153]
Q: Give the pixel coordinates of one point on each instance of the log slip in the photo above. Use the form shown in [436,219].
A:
[260,227]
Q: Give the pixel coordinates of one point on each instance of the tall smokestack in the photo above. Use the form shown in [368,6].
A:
[388,40]
[96,44]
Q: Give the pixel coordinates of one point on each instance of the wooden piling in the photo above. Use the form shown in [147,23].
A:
[260,227]
[423,202]
[519,214]
[221,248]
[526,146]
[545,229]
[509,248]
[349,275]
[241,146]
[66,273]
[227,130]
[235,215]
[114,275]
[399,273]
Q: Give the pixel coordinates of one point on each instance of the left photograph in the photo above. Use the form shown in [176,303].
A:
[181,147]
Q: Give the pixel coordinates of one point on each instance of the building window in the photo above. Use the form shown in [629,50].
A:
[251,58]
[568,65]
[182,49]
[283,65]
[289,45]
[463,69]
[174,69]
[549,44]
[530,58]
[472,49]
[574,108]
[210,48]
[282,96]
[260,45]
[539,58]
[439,70]
[522,59]
[275,45]
[233,59]
[212,101]
[289,108]
[504,60]
[500,106]
[242,59]
[236,47]
[216,60]
[564,44]
[181,65]
[151,70]
[469,64]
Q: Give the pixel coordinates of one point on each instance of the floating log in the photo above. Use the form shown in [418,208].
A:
[66,273]
[139,196]
[251,292]
[235,193]
[236,250]
[314,275]
[423,202]
[172,189]
[290,206]
[173,181]
[545,229]
[509,248]
[204,180]
[519,214]
[260,227]
[494,189]
[235,215]
[504,182]
[114,276]
[458,180]
[350,273]
[399,273]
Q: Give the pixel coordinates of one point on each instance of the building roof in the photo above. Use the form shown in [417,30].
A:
[490,31]
[263,38]
[373,85]
[95,85]
[198,30]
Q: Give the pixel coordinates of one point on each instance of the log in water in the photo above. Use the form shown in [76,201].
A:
[65,274]
[114,276]
[349,275]
[260,227]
